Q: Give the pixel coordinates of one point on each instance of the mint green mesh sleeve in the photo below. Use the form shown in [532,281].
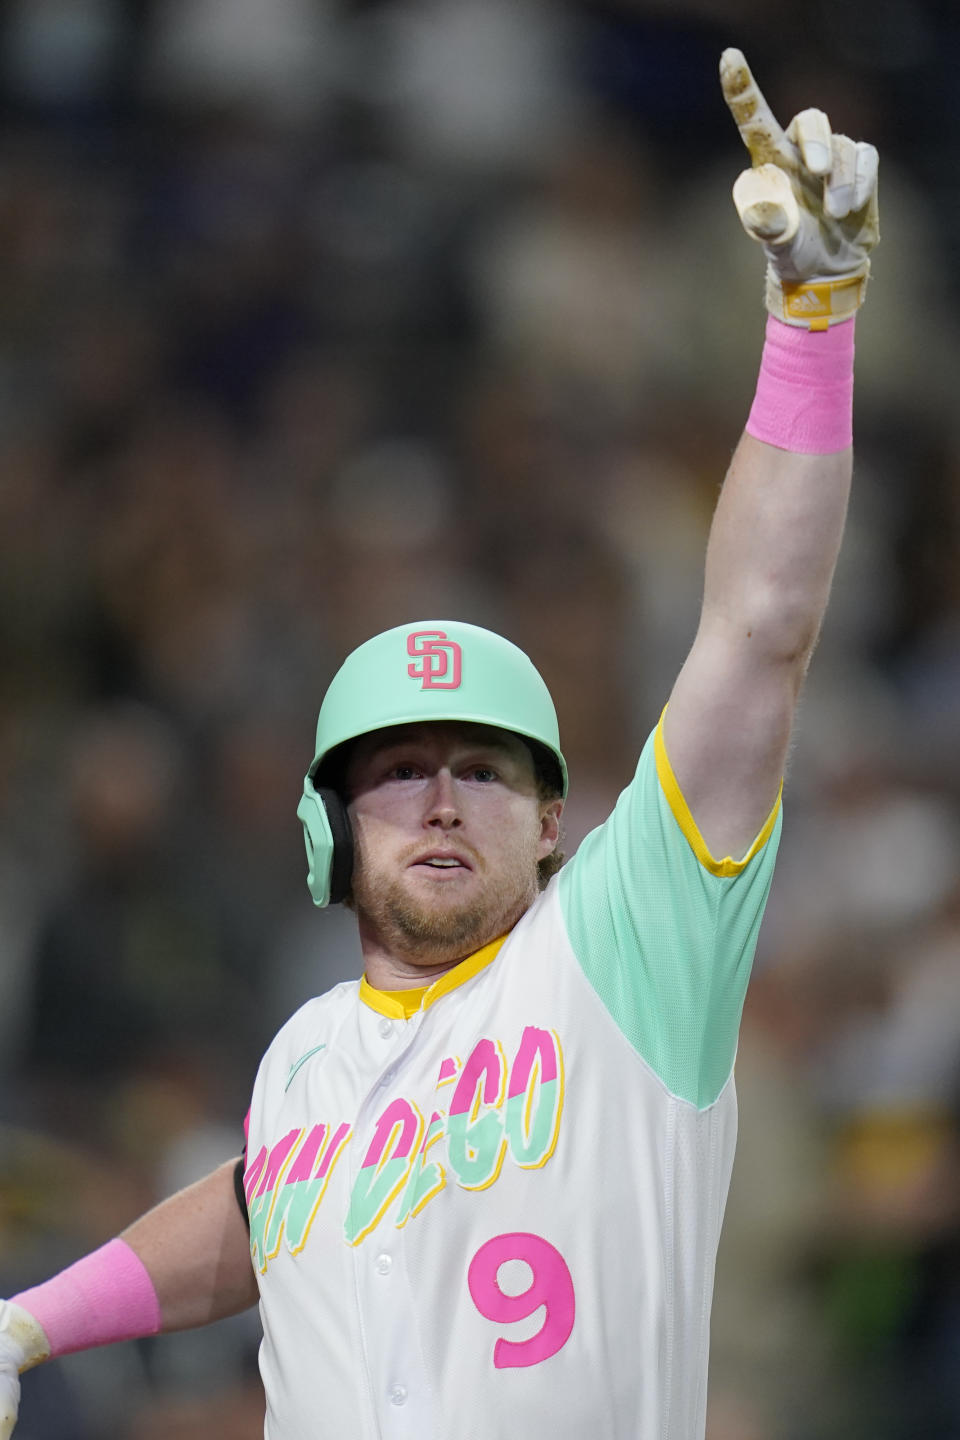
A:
[665,933]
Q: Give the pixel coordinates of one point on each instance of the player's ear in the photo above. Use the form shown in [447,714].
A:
[550,813]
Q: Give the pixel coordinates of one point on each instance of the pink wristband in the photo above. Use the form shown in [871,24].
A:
[104,1297]
[804,399]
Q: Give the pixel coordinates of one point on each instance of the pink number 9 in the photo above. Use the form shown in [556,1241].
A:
[551,1287]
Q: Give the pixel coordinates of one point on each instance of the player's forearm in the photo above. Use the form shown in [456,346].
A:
[779,521]
[184,1263]
[770,559]
[773,549]
[196,1250]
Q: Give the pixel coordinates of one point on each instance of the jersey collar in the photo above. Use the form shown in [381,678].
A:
[397,1004]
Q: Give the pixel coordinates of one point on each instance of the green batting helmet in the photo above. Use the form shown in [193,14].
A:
[430,670]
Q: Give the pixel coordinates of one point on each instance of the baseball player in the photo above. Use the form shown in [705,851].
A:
[483,1185]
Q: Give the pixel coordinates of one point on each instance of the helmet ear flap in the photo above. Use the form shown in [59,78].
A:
[328,839]
[341,869]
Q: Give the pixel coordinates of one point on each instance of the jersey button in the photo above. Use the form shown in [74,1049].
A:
[386,1028]
[384,1264]
[398,1395]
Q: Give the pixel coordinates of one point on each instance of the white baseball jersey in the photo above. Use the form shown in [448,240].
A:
[499,1217]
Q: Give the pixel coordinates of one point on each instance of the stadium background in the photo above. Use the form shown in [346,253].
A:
[318,316]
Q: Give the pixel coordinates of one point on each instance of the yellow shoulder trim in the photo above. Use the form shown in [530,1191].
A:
[681,813]
[401,1004]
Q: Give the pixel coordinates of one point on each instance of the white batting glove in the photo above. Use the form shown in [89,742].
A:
[810,200]
[22,1345]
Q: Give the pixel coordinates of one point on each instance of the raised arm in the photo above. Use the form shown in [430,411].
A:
[183,1264]
[810,199]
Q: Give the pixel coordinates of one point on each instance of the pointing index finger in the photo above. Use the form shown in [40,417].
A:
[758,126]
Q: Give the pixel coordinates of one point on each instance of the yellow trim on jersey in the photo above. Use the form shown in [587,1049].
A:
[464,971]
[681,813]
[398,1004]
[401,1004]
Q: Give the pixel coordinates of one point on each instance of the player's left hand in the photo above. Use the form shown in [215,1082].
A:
[810,199]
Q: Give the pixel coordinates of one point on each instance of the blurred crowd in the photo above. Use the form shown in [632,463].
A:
[316,317]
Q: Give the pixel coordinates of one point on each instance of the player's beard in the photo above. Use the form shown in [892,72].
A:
[441,929]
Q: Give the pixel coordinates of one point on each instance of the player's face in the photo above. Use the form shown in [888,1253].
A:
[449,830]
